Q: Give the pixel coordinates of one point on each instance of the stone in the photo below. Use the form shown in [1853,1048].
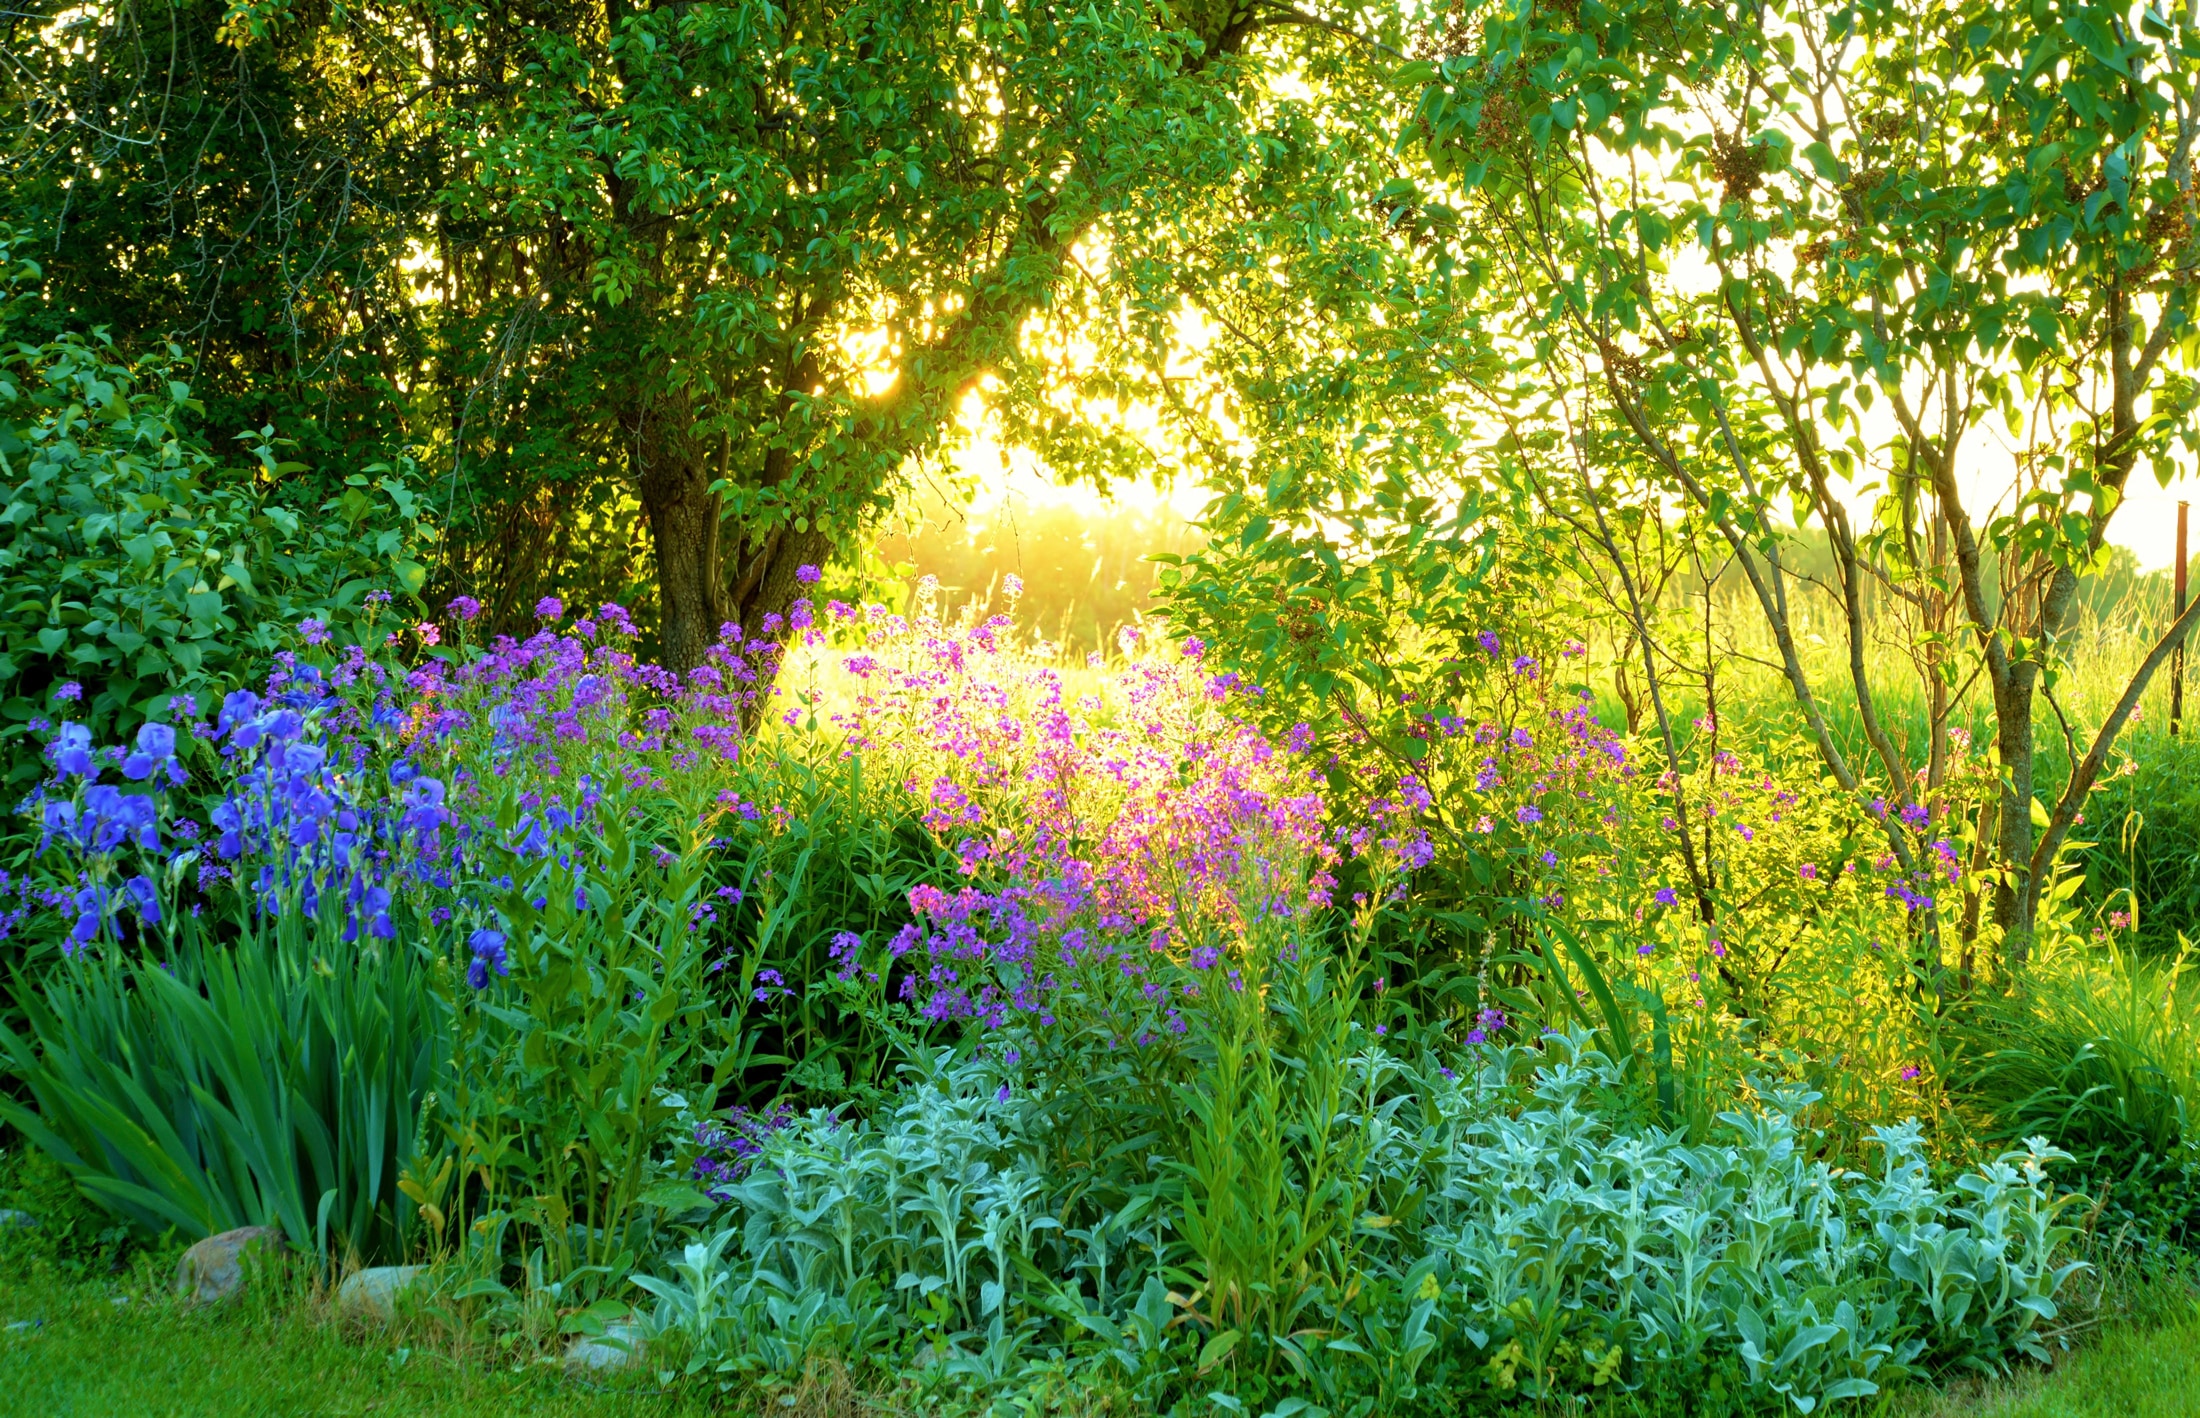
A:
[622,1345]
[371,1294]
[17,1220]
[214,1269]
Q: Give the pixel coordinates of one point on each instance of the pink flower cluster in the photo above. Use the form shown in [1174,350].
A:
[1134,827]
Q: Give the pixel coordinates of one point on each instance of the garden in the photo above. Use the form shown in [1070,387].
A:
[1639,853]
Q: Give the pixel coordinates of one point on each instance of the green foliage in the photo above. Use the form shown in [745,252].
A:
[137,563]
[269,1080]
[64,1228]
[2145,824]
[838,852]
[2101,1057]
[561,1082]
[1540,1252]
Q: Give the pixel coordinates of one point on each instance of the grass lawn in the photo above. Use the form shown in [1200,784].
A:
[2129,1374]
[79,1353]
[67,1349]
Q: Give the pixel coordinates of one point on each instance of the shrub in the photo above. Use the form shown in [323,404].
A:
[1546,1254]
[139,564]
[2099,1053]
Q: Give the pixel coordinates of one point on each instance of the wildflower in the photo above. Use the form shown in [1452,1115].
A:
[1644,950]
[1529,814]
[1916,816]
[1666,896]
[1526,667]
[549,608]
[313,631]
[156,750]
[1911,1073]
[68,691]
[1194,647]
[489,954]
[430,633]
[72,752]
[807,574]
[464,607]
[1489,642]
[1012,586]
[1808,871]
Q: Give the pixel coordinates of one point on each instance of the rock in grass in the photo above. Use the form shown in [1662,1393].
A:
[213,1269]
[371,1294]
[17,1220]
[622,1345]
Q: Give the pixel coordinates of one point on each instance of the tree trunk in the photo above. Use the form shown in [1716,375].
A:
[2014,896]
[674,481]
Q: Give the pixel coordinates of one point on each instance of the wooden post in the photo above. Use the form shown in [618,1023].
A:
[2177,656]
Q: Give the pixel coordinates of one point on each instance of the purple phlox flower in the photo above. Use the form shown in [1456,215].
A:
[464,607]
[807,574]
[1666,896]
[313,631]
[549,608]
[1489,642]
[68,691]
[1916,816]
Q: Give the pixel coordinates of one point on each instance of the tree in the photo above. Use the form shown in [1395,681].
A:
[727,266]
[1748,230]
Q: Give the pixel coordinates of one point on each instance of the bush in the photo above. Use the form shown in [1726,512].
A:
[138,563]
[1544,1253]
[2100,1055]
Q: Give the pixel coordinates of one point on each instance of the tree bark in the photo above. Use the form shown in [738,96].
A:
[674,481]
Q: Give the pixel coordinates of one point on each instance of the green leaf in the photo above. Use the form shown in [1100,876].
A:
[1215,1350]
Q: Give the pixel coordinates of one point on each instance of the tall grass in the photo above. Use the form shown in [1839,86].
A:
[2100,1054]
